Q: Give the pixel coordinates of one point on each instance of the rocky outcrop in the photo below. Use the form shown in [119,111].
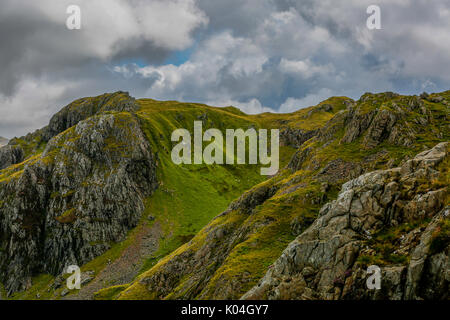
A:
[70,203]
[84,108]
[188,273]
[377,119]
[231,254]
[66,118]
[10,155]
[249,200]
[295,137]
[82,180]
[329,259]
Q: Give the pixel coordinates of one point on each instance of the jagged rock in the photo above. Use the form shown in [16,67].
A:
[83,192]
[66,118]
[295,137]
[9,155]
[298,159]
[86,277]
[249,200]
[384,123]
[357,123]
[82,109]
[428,274]
[338,170]
[380,128]
[329,248]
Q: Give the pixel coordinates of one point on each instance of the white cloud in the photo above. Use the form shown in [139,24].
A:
[236,57]
[32,105]
[109,24]
[255,54]
[304,68]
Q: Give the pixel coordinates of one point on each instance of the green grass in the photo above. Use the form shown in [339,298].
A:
[190,196]
[2,291]
[109,293]
[386,241]
[254,255]
[39,290]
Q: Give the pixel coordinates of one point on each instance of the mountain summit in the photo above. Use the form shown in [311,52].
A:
[360,183]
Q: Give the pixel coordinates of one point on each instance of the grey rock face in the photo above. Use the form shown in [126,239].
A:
[249,200]
[322,262]
[386,123]
[66,118]
[87,107]
[68,205]
[296,137]
[198,265]
[10,155]
[298,159]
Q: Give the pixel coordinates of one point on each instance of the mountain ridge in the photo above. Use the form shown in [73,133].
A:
[232,253]
[321,148]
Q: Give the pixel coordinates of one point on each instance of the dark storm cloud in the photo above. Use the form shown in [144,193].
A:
[44,65]
[34,38]
[326,47]
[256,54]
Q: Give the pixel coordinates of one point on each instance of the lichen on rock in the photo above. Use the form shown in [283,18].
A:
[322,263]
[70,203]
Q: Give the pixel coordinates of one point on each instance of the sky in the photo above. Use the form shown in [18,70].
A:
[257,55]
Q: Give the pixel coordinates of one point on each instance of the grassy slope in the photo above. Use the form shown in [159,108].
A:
[190,196]
[249,259]
[261,248]
[206,189]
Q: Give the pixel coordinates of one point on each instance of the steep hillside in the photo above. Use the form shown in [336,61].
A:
[78,192]
[398,219]
[97,187]
[228,257]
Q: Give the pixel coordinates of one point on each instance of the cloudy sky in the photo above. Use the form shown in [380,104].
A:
[258,55]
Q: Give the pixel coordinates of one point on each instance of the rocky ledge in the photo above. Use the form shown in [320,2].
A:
[66,118]
[397,219]
[69,203]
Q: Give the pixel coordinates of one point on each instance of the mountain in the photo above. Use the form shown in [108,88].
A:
[247,250]
[97,187]
[3,141]
[389,218]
